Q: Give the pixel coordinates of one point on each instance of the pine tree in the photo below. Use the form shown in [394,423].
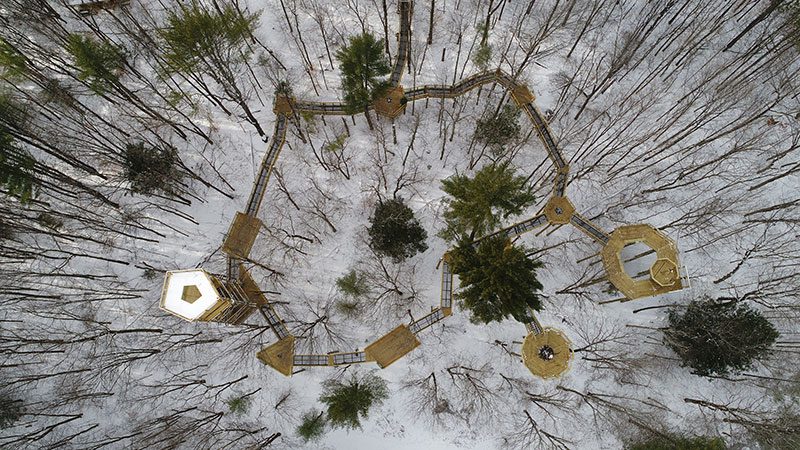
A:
[312,427]
[98,62]
[363,64]
[675,442]
[498,131]
[200,41]
[497,279]
[395,232]
[349,402]
[719,337]
[480,203]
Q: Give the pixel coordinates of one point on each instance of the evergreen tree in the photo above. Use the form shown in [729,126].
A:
[498,130]
[363,64]
[717,338]
[353,283]
[679,443]
[202,41]
[238,404]
[349,402]
[98,62]
[497,279]
[150,169]
[195,34]
[395,232]
[312,427]
[478,204]
[17,175]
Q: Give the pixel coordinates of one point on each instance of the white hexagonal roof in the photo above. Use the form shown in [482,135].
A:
[179,295]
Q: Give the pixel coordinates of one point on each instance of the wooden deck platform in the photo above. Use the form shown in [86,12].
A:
[535,353]
[391,103]
[279,356]
[663,276]
[392,346]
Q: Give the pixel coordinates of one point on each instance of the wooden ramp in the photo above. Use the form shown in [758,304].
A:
[242,235]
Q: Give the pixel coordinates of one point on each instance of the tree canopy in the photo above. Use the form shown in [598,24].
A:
[350,401]
[715,338]
[363,64]
[497,279]
[395,232]
[98,62]
[195,35]
[478,204]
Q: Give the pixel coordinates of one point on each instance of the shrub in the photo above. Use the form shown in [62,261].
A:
[238,405]
[10,411]
[312,427]
[353,283]
[349,402]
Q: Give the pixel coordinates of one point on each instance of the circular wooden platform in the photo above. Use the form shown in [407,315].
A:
[547,354]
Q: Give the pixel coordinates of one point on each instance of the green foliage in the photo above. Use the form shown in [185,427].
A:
[336,144]
[717,338]
[194,35]
[12,62]
[150,169]
[239,404]
[478,204]
[10,411]
[395,232]
[497,279]
[313,426]
[791,11]
[98,62]
[349,402]
[482,56]
[16,165]
[353,283]
[680,443]
[498,131]
[363,64]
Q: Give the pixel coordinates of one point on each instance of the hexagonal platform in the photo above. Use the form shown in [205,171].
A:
[391,103]
[559,210]
[664,275]
[547,354]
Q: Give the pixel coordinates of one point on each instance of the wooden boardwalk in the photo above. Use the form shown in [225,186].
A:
[664,277]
